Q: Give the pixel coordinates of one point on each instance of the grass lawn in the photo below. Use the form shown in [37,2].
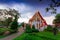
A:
[1,36]
[2,30]
[38,36]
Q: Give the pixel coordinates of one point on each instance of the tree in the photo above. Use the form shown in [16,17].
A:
[57,19]
[55,30]
[52,5]
[8,15]
[8,21]
[57,16]
[13,12]
[10,12]
[28,29]
[14,24]
[49,28]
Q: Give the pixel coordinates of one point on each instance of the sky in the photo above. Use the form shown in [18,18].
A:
[27,9]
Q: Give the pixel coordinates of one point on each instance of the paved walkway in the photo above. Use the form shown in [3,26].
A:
[10,37]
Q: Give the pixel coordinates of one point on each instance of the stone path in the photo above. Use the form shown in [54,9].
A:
[10,37]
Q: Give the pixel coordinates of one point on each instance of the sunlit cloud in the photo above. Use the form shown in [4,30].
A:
[49,19]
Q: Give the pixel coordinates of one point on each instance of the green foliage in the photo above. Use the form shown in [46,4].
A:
[6,22]
[34,30]
[2,36]
[31,30]
[9,20]
[57,16]
[33,27]
[14,24]
[49,28]
[1,23]
[57,19]
[2,30]
[28,29]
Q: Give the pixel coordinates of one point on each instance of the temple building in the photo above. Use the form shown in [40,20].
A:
[38,21]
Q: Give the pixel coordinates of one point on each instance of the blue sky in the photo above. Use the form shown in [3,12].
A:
[27,8]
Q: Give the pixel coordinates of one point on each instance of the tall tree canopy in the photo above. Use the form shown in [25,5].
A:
[57,19]
[9,12]
[8,15]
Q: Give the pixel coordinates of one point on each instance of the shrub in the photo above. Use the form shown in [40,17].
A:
[49,28]
[14,26]
[28,29]
[11,31]
[31,30]
[34,30]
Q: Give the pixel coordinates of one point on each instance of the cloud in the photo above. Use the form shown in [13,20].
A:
[25,17]
[3,6]
[49,19]
[26,12]
[21,7]
[23,20]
